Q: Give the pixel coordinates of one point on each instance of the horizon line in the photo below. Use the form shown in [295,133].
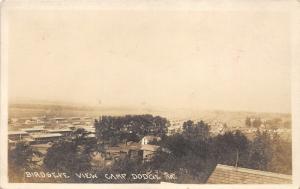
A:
[145,107]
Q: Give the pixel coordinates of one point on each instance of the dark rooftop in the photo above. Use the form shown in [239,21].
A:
[224,174]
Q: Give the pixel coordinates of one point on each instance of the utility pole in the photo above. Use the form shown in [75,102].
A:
[237,158]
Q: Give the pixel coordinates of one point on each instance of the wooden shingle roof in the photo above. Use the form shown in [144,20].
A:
[224,174]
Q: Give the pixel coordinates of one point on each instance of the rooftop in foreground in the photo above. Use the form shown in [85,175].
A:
[224,174]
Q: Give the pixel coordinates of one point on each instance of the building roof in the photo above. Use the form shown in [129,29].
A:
[47,135]
[89,128]
[11,141]
[224,174]
[41,147]
[58,118]
[151,137]
[28,140]
[91,135]
[131,145]
[59,130]
[149,147]
[87,118]
[78,123]
[74,117]
[124,147]
[33,129]
[117,149]
[17,133]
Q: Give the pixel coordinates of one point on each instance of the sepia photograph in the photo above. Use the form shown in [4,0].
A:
[113,93]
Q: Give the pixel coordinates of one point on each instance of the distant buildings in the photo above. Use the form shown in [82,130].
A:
[17,135]
[41,132]
[65,132]
[46,138]
[38,130]
[247,125]
[59,120]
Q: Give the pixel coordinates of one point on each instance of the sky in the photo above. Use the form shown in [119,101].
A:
[174,59]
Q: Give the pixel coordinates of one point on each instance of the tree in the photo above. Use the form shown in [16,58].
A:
[187,125]
[200,130]
[107,131]
[232,148]
[248,122]
[265,152]
[188,155]
[281,161]
[70,156]
[20,159]
[112,130]
[261,151]
[257,122]
[275,123]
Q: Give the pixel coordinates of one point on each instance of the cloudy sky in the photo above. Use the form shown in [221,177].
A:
[176,59]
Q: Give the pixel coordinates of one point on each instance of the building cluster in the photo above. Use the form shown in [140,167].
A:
[218,127]
[42,130]
[139,151]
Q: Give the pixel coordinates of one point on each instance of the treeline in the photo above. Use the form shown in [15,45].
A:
[191,155]
[275,123]
[267,152]
[116,129]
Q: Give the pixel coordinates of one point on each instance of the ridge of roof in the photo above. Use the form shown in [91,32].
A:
[253,171]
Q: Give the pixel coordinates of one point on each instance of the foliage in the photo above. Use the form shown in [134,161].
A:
[260,151]
[70,156]
[281,161]
[257,122]
[265,152]
[248,122]
[199,130]
[231,148]
[20,159]
[115,129]
[187,154]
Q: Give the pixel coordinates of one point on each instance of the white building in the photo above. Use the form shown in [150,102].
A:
[147,139]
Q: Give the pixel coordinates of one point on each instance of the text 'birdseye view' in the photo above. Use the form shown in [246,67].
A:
[148,96]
